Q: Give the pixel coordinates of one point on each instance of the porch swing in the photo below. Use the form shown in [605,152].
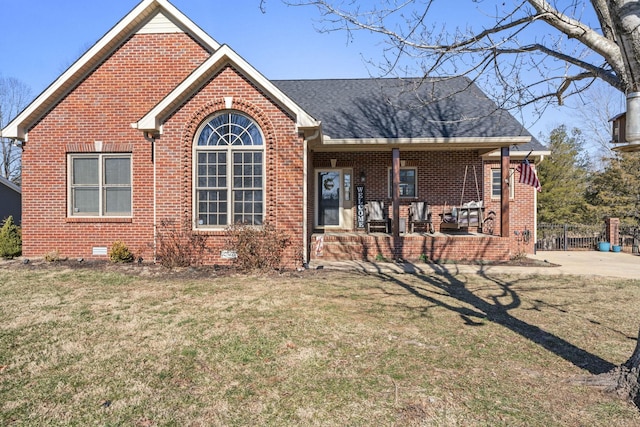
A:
[464,215]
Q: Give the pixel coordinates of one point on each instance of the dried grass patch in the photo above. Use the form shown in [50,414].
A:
[89,346]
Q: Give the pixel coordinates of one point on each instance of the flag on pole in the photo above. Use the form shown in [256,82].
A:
[528,175]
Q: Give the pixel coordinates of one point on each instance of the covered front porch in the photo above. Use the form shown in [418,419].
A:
[345,183]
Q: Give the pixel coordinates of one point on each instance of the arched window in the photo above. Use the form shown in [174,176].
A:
[229,171]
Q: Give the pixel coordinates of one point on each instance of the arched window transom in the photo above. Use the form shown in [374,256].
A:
[230,129]
[229,171]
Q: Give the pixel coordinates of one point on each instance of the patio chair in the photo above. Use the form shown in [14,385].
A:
[420,217]
[377,219]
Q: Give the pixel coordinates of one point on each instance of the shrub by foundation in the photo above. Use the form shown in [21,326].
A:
[10,239]
[178,245]
[52,256]
[119,252]
[257,247]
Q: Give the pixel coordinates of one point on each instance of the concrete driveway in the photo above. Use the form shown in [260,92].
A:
[606,264]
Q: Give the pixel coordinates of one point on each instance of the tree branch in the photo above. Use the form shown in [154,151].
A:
[507,51]
[603,46]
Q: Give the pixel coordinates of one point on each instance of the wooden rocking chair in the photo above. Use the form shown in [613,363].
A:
[420,217]
[376,217]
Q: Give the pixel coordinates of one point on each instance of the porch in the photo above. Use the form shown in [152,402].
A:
[439,246]
[362,204]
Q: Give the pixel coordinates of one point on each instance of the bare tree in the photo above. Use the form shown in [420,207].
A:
[594,111]
[521,52]
[14,96]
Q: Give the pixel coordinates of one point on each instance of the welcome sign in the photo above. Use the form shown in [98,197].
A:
[360,217]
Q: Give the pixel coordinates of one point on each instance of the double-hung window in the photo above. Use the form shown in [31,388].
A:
[229,172]
[496,184]
[100,185]
[407,182]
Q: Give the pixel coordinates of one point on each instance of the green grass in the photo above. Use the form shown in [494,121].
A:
[131,346]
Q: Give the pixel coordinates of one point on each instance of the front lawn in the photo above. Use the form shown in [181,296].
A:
[137,346]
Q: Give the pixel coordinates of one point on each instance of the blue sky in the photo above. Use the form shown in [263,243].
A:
[282,43]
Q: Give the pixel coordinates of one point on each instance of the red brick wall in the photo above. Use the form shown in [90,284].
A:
[440,175]
[101,108]
[124,88]
[522,214]
[283,160]
[414,247]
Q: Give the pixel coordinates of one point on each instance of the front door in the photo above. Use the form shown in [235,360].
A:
[329,183]
[333,198]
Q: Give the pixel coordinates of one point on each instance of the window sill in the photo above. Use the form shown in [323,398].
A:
[212,230]
[98,219]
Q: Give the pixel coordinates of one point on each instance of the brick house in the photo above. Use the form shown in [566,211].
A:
[11,201]
[158,121]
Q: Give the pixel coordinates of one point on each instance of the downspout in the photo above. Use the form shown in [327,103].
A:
[150,138]
[305,193]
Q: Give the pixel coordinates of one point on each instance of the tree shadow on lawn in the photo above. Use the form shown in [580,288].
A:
[497,312]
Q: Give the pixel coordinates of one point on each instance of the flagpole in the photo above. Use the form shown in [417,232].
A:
[523,160]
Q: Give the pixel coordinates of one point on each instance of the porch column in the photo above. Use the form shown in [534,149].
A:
[504,191]
[395,227]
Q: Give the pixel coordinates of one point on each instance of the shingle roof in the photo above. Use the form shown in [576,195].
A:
[402,108]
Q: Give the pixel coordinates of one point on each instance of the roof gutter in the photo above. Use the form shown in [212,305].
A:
[482,144]
[519,155]
[499,141]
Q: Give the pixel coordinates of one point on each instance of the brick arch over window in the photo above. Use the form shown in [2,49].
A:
[270,143]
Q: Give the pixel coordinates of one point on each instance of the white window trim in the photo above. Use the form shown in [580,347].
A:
[229,150]
[512,191]
[390,183]
[101,186]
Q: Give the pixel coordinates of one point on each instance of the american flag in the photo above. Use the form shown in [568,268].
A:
[528,175]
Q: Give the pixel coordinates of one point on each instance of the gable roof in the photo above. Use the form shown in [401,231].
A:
[148,16]
[152,121]
[410,110]
[427,113]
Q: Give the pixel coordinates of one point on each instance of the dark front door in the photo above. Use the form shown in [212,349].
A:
[329,199]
